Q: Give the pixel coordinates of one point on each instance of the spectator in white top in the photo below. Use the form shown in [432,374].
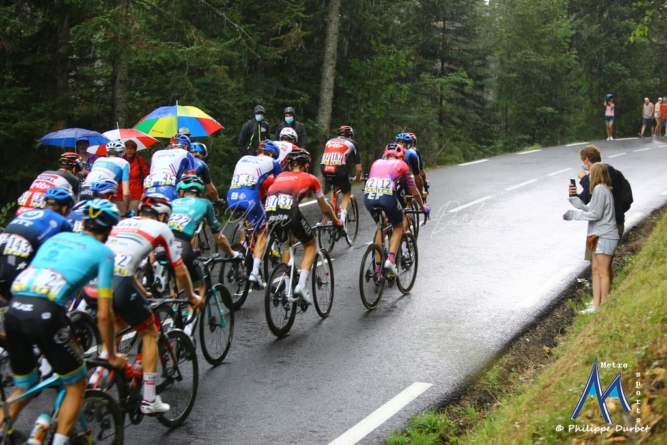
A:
[657,114]
[647,116]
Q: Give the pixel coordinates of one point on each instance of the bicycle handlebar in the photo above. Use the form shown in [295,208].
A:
[427,216]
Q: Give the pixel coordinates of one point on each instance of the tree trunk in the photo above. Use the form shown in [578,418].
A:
[62,70]
[120,71]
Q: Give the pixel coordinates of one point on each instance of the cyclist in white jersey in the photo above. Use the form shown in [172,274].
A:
[286,144]
[112,167]
[167,167]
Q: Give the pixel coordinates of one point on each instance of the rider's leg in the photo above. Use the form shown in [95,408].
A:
[149,361]
[69,410]
[16,407]
[394,241]
[307,262]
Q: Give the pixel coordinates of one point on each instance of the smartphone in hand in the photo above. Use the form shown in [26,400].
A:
[573,184]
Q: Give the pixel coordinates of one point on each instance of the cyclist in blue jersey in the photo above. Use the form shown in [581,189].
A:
[422,174]
[112,167]
[244,195]
[103,189]
[199,152]
[25,233]
[36,316]
[167,167]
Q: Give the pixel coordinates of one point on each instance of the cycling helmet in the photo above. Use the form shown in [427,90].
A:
[189,183]
[198,147]
[101,212]
[299,156]
[60,195]
[116,148]
[609,96]
[184,131]
[156,202]
[414,137]
[289,133]
[394,149]
[271,148]
[403,137]
[345,130]
[71,159]
[180,141]
[104,187]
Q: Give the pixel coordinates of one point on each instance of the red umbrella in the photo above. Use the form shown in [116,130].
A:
[142,140]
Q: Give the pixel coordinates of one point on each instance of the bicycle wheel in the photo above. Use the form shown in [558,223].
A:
[280,312]
[234,276]
[272,256]
[204,240]
[323,283]
[417,225]
[407,261]
[100,419]
[177,376]
[371,281]
[236,233]
[86,333]
[216,324]
[352,222]
[411,224]
[166,313]
[326,236]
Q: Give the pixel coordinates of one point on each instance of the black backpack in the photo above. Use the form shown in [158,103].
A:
[624,191]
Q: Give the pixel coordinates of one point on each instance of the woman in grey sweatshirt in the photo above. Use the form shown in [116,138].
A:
[602,223]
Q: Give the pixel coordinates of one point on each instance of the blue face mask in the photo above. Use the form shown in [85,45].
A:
[289,120]
[259,117]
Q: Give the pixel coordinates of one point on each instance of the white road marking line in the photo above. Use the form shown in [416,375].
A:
[319,263]
[520,185]
[473,162]
[529,151]
[560,171]
[469,204]
[660,146]
[381,415]
[625,139]
[641,149]
[132,334]
[576,143]
[615,156]
[308,203]
[664,193]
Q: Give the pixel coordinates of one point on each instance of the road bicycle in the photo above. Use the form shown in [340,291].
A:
[328,236]
[373,277]
[281,304]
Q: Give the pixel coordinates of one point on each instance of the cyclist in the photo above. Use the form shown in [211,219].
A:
[64,177]
[104,189]
[282,207]
[199,153]
[25,233]
[244,195]
[187,213]
[112,167]
[286,144]
[131,241]
[380,191]
[422,173]
[62,266]
[167,167]
[334,168]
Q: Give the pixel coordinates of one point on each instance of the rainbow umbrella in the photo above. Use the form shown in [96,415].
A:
[164,122]
[142,140]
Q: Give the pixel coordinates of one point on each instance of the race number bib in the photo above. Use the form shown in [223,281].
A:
[379,186]
[45,282]
[334,159]
[121,263]
[239,181]
[178,221]
[78,226]
[15,245]
[161,180]
[279,202]
[23,199]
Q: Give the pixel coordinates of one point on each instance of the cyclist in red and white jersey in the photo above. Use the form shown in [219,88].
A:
[64,177]
[286,144]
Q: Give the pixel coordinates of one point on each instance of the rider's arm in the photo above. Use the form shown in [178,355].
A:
[127,197]
[410,182]
[105,317]
[316,187]
[357,174]
[357,162]
[212,192]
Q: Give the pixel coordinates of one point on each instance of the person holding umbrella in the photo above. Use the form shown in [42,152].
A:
[87,159]
[252,133]
[298,127]
[138,172]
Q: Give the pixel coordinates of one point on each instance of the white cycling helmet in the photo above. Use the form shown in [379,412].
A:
[289,133]
[116,148]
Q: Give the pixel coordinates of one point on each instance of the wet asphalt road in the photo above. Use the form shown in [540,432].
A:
[495,254]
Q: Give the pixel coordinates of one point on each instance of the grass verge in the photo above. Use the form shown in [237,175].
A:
[528,395]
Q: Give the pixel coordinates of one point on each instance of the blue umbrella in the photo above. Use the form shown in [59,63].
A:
[68,137]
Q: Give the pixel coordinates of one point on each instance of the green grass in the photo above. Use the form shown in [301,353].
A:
[631,327]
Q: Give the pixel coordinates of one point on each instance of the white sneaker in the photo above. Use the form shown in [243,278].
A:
[303,293]
[256,279]
[589,309]
[607,137]
[611,138]
[391,267]
[156,407]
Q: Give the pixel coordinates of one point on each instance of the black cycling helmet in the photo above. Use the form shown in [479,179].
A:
[346,130]
[300,157]
[289,110]
[71,159]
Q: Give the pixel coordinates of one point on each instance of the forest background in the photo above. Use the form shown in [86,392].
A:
[472,78]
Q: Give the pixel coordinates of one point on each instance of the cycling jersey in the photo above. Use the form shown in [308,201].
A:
[285,148]
[75,217]
[187,213]
[336,153]
[202,170]
[167,167]
[419,157]
[113,167]
[63,265]
[380,189]
[34,197]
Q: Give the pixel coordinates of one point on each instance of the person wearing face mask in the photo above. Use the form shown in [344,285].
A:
[253,132]
[302,140]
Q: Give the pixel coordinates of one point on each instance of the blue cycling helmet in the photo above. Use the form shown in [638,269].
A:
[403,137]
[180,141]
[104,187]
[270,147]
[60,195]
[101,212]
[198,147]
[609,96]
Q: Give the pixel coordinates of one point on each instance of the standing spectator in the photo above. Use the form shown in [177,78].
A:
[657,114]
[609,115]
[647,116]
[138,172]
[602,236]
[663,112]
[88,159]
[302,140]
[253,132]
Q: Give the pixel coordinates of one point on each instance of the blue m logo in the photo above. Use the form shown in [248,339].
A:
[593,388]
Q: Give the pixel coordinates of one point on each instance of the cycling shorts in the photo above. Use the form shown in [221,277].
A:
[130,305]
[10,267]
[252,209]
[338,179]
[284,222]
[168,190]
[390,204]
[183,243]
[402,192]
[37,321]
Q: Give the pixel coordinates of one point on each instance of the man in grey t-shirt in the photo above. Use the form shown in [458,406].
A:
[647,116]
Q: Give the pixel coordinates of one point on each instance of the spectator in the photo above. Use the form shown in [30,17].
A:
[253,132]
[302,139]
[647,116]
[609,115]
[663,112]
[657,114]
[138,172]
[88,159]
[602,236]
